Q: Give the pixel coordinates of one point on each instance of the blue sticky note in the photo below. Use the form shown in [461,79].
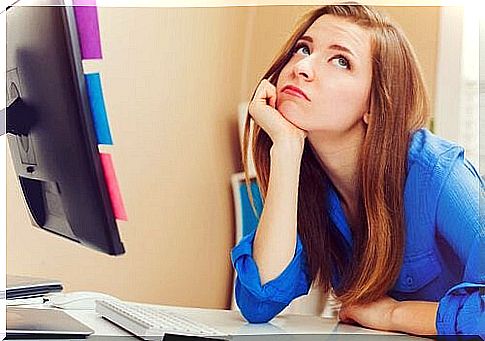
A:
[98,109]
[249,219]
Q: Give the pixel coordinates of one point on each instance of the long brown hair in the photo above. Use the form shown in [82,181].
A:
[399,105]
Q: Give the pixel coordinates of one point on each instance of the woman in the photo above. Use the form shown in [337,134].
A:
[358,195]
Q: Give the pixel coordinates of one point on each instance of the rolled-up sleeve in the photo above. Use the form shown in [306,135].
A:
[460,221]
[260,303]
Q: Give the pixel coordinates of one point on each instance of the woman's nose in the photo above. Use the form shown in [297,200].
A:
[304,69]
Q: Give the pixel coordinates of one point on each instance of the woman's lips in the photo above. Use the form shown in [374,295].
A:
[293,90]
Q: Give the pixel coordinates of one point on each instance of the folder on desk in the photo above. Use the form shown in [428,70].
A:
[32,323]
[26,287]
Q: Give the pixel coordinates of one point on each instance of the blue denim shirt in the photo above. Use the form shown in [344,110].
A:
[444,247]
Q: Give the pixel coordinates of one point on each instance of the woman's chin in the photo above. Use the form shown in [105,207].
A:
[291,111]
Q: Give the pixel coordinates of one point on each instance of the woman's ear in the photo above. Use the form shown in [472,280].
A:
[366,118]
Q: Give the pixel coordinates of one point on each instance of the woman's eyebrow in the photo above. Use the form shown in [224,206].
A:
[331,47]
[340,48]
[307,38]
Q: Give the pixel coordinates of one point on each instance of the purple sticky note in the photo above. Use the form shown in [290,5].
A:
[88,29]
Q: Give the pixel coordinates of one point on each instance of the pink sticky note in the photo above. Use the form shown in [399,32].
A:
[88,29]
[113,188]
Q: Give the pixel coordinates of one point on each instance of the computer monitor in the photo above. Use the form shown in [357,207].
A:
[51,135]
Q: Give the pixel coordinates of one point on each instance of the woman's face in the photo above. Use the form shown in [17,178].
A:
[331,65]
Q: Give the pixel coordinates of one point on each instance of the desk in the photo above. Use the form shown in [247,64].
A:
[283,327]
[232,323]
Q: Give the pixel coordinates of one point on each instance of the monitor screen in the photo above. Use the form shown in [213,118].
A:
[50,129]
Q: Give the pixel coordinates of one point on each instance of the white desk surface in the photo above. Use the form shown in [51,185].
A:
[232,323]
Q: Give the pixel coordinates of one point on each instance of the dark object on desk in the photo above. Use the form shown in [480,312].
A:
[326,337]
[300,337]
[26,287]
[32,323]
[173,337]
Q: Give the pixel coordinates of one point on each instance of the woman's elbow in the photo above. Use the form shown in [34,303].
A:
[260,312]
[256,310]
[256,317]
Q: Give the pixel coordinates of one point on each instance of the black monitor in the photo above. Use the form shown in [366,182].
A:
[51,135]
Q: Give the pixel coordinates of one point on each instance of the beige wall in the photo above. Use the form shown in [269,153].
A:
[172,80]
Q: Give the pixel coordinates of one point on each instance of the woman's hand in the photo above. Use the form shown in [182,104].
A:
[375,315]
[263,110]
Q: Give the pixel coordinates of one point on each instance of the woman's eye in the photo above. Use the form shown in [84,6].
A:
[301,48]
[341,62]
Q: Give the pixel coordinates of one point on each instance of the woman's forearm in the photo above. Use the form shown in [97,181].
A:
[415,317]
[275,240]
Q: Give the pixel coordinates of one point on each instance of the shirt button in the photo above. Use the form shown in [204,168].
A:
[409,280]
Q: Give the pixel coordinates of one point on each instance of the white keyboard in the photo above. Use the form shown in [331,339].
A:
[151,322]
